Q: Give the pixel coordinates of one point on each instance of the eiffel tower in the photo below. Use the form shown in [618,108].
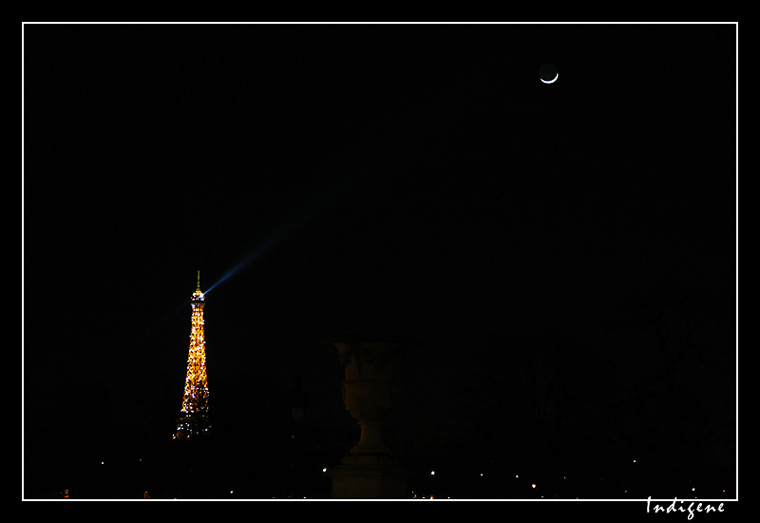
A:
[193,419]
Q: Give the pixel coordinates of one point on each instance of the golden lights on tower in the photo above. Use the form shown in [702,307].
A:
[193,418]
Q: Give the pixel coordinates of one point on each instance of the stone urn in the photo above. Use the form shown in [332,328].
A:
[370,389]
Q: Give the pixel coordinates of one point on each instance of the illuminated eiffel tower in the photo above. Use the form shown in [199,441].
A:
[193,418]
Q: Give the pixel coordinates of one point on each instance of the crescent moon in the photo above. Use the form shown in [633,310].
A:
[552,80]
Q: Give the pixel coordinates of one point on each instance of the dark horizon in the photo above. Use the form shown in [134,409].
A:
[564,254]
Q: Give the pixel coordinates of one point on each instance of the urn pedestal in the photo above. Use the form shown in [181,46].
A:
[370,389]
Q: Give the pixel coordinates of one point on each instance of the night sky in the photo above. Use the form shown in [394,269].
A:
[563,255]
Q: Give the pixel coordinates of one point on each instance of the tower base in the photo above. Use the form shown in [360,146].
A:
[190,426]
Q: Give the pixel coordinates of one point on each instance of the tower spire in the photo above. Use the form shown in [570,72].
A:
[199,281]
